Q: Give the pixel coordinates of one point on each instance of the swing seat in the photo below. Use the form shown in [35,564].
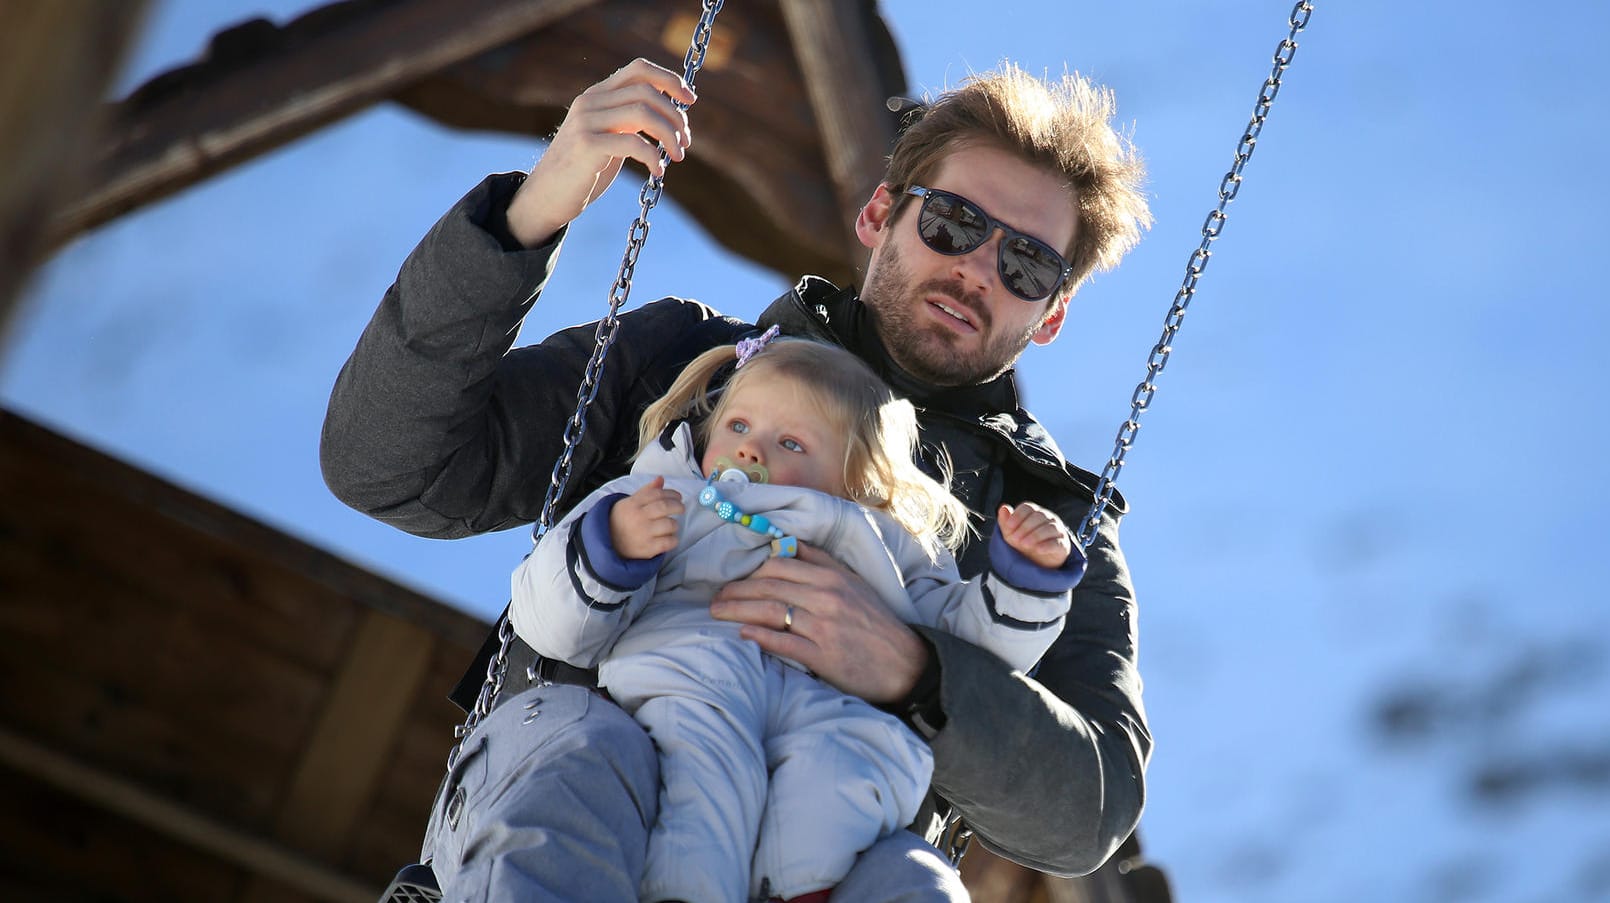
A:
[414,883]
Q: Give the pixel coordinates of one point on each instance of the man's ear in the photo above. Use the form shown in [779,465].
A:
[873,220]
[1048,330]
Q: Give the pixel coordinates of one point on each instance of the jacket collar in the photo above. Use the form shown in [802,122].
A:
[818,309]
[674,454]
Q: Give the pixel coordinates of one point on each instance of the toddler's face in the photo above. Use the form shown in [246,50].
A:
[769,422]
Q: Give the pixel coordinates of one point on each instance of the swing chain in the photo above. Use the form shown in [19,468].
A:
[647,197]
[1211,227]
[604,339]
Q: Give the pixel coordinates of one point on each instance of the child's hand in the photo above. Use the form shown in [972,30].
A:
[1036,533]
[644,524]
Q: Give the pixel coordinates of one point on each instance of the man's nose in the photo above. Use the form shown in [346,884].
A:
[977,267]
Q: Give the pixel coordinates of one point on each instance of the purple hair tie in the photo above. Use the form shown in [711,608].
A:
[748,348]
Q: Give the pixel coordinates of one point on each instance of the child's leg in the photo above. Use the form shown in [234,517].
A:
[902,868]
[553,776]
[843,774]
[700,705]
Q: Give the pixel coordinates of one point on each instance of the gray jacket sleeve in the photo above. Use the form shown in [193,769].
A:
[437,427]
[1048,770]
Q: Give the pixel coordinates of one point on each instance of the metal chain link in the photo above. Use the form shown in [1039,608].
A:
[604,339]
[956,837]
[1211,227]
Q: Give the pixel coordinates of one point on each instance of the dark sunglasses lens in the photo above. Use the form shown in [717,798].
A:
[1030,268]
[950,225]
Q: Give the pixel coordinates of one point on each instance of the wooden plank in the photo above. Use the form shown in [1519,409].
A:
[47,477]
[365,712]
[57,848]
[215,585]
[225,751]
[152,636]
[163,652]
[262,86]
[142,638]
[835,50]
[757,179]
[410,776]
[195,829]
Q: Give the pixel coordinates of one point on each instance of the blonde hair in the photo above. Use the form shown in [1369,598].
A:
[1062,126]
[880,429]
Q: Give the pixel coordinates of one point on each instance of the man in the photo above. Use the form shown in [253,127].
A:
[997,203]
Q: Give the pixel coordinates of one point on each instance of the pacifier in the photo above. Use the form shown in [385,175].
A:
[782,545]
[726,471]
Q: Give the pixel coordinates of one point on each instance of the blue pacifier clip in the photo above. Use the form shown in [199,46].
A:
[782,545]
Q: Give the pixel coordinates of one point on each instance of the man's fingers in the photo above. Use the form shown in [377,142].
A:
[812,555]
[663,79]
[740,611]
[773,615]
[779,628]
[638,110]
[788,645]
[613,149]
[740,594]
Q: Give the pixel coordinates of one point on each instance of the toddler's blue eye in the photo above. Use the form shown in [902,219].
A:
[738,426]
[792,445]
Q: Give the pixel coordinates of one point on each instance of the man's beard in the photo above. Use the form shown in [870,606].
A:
[930,351]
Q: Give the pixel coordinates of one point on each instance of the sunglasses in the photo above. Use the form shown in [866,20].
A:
[952,225]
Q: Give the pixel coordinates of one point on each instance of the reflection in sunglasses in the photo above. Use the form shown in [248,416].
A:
[944,235]
[952,225]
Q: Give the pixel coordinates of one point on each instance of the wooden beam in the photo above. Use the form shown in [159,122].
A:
[835,50]
[46,466]
[56,60]
[134,802]
[290,689]
[757,179]
[262,86]
[368,706]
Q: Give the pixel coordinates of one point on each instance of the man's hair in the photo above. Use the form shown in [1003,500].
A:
[1062,126]
[880,430]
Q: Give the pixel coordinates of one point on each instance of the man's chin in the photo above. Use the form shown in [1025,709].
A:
[941,363]
[934,354]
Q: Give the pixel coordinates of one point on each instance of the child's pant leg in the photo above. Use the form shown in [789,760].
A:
[902,868]
[843,774]
[700,703]
[553,776]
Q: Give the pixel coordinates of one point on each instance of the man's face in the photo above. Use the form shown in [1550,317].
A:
[949,320]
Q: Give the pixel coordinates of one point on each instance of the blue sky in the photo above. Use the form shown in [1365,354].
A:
[1373,462]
